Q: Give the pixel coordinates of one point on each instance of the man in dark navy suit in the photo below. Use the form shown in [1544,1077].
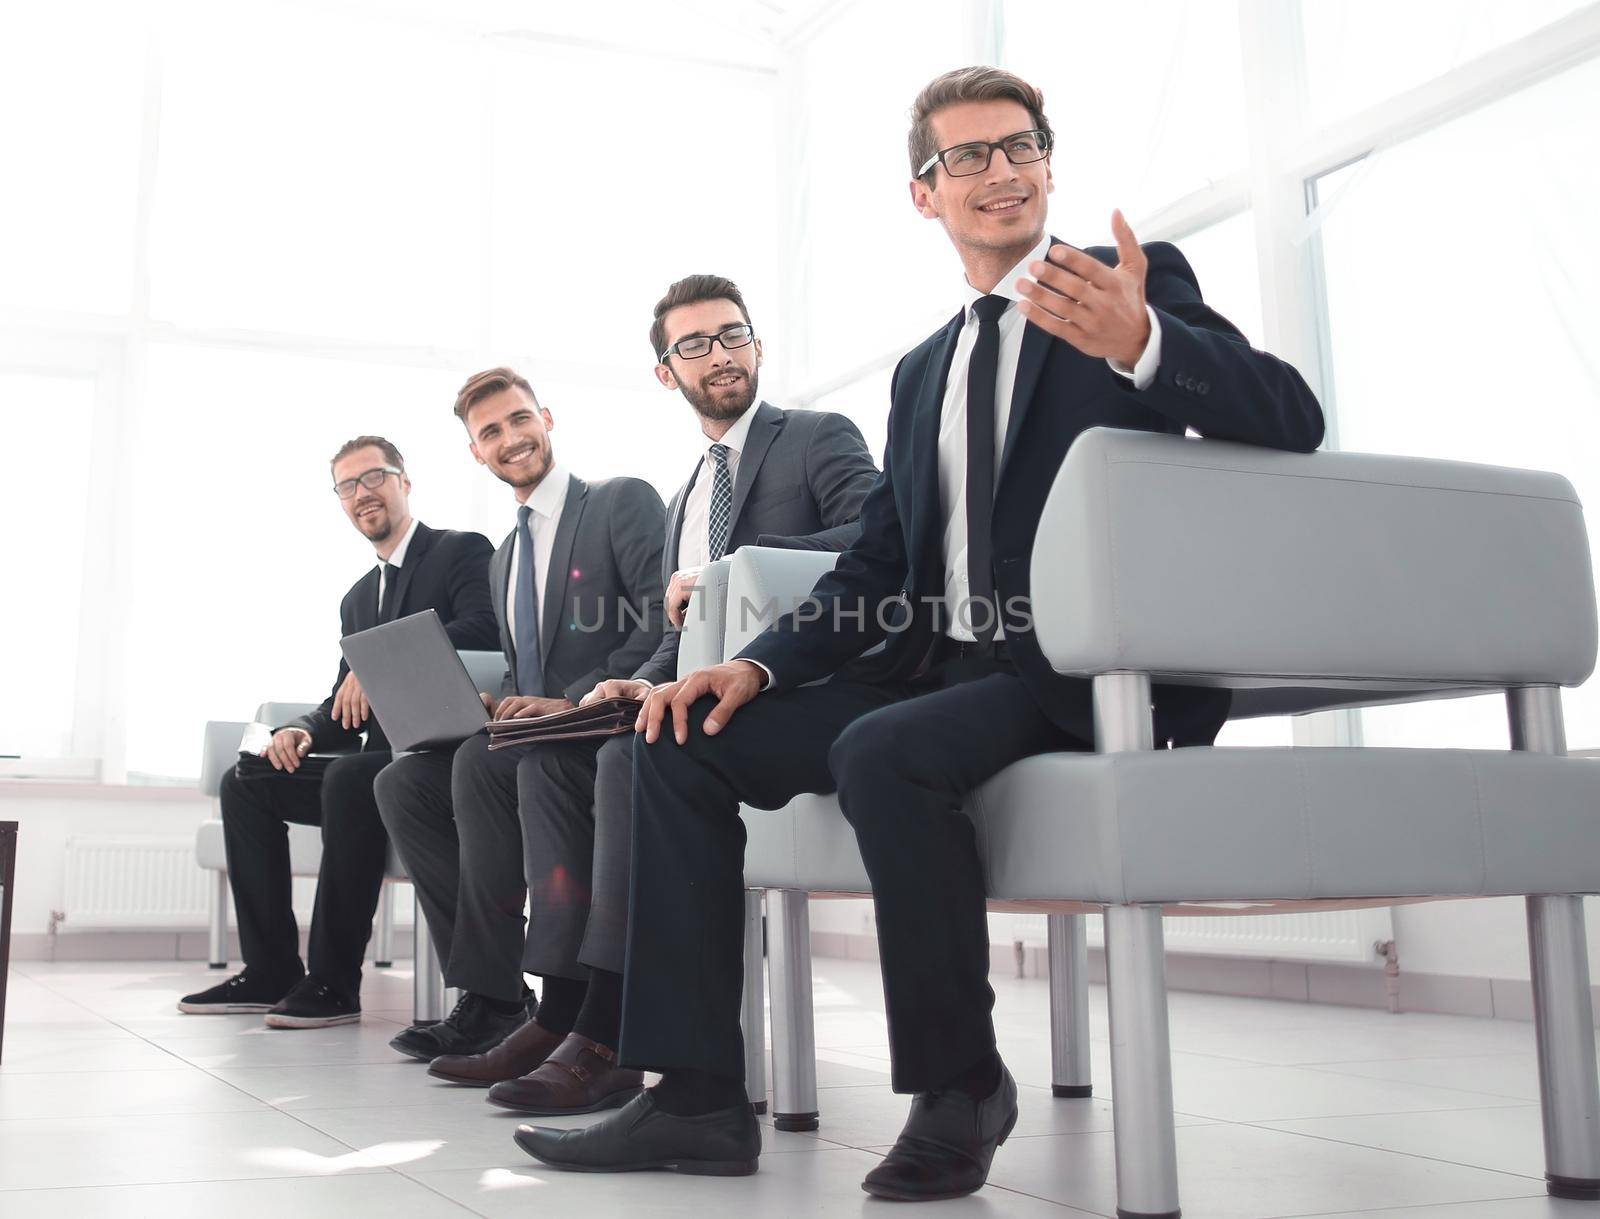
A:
[418,569]
[1049,340]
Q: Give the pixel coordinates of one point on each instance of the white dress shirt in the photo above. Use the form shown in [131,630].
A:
[397,559]
[693,541]
[547,500]
[953,429]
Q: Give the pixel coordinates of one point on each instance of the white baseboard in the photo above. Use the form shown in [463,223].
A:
[190,944]
[1346,985]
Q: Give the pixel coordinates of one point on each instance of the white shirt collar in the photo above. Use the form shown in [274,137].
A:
[1007,287]
[734,437]
[398,558]
[551,492]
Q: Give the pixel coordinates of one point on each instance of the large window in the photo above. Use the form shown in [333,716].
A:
[1460,270]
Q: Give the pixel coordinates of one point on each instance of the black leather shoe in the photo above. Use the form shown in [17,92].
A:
[947,1144]
[640,1136]
[472,1027]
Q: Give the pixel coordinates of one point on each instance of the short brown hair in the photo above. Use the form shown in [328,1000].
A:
[390,453]
[691,290]
[490,381]
[976,84]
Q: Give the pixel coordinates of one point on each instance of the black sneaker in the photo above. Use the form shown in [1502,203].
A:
[239,995]
[471,1028]
[313,1005]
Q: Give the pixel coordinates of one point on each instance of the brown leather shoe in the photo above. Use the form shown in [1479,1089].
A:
[523,1049]
[582,1076]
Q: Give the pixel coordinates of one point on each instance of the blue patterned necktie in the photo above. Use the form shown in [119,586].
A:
[530,672]
[721,515]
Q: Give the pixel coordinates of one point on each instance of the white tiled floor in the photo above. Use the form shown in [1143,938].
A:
[113,1104]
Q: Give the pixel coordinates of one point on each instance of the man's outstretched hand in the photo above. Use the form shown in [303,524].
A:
[1098,309]
[733,684]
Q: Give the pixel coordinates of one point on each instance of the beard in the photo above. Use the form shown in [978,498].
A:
[376,528]
[543,458]
[724,404]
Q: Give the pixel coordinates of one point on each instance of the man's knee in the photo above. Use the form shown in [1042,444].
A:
[347,783]
[395,790]
[867,747]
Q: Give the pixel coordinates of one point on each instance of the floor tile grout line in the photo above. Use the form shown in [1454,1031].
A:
[1410,1155]
[1418,1206]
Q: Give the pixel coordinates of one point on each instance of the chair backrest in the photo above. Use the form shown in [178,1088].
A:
[485,668]
[276,715]
[1310,580]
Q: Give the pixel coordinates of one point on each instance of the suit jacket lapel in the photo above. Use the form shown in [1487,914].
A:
[367,601]
[421,541]
[669,557]
[499,580]
[925,436]
[555,581]
[1030,363]
[764,429]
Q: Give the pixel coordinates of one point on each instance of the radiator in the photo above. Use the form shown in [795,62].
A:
[133,881]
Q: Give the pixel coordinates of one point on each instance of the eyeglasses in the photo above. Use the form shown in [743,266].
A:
[371,480]
[964,160]
[697,345]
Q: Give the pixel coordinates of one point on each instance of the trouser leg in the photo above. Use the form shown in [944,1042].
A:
[903,773]
[556,800]
[486,954]
[606,932]
[413,795]
[685,945]
[255,835]
[355,849]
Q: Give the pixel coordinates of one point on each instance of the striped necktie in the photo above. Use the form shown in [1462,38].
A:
[721,515]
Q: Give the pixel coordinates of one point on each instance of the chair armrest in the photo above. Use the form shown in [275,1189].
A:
[764,584]
[705,621]
[220,751]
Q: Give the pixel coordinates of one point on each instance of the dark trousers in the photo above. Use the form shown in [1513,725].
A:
[577,828]
[255,813]
[902,759]
[455,821]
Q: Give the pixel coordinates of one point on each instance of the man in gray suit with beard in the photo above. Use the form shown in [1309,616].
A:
[577,593]
[766,476]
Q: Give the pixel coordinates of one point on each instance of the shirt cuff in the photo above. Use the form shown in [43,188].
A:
[1144,372]
[766,685]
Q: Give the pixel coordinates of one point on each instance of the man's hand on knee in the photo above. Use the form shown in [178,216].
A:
[733,685]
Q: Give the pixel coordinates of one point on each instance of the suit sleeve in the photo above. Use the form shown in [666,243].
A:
[1210,378]
[839,471]
[328,734]
[663,663]
[638,526]
[472,626]
[846,612]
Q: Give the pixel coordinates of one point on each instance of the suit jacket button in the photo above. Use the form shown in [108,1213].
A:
[1202,388]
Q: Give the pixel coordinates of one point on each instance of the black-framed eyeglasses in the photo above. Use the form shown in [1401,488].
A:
[697,345]
[964,160]
[370,479]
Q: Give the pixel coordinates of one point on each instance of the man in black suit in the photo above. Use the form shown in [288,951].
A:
[1050,340]
[765,475]
[418,569]
[577,595]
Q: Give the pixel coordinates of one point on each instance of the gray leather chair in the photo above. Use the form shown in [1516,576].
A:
[1302,583]
[221,751]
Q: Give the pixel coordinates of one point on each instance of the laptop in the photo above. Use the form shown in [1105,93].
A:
[417,686]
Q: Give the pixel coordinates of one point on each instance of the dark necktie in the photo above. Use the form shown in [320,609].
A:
[530,672]
[721,514]
[982,372]
[387,578]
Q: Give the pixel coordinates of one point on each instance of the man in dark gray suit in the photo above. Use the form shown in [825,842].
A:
[577,593]
[767,476]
